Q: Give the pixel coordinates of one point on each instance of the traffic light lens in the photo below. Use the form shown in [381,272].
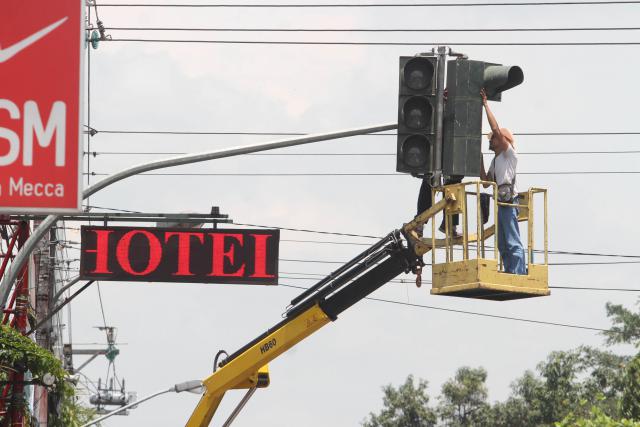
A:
[415,151]
[417,112]
[418,73]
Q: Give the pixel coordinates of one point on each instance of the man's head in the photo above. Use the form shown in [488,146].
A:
[497,142]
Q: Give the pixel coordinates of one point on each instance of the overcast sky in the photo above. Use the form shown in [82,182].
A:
[171,332]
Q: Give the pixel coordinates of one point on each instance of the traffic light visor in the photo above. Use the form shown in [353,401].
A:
[418,73]
[417,113]
[498,78]
[415,151]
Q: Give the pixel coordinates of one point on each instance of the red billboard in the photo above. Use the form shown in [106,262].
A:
[151,254]
[41,51]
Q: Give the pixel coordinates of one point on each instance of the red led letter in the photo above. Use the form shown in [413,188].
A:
[184,250]
[155,252]
[260,266]
[219,254]
[101,251]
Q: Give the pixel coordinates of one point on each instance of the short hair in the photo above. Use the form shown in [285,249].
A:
[508,135]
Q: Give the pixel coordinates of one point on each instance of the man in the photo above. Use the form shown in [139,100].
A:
[425,201]
[503,172]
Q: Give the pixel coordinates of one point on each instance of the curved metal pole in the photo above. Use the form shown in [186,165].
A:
[23,255]
[124,408]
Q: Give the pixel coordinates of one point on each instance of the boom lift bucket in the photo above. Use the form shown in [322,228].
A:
[465,266]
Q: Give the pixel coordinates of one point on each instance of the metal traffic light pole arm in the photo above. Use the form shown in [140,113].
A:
[37,234]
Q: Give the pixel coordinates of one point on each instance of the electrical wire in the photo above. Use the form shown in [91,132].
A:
[374,5]
[354,43]
[411,281]
[182,132]
[560,264]
[475,313]
[366,236]
[359,174]
[111,209]
[370,30]
[307,230]
[129,153]
[315,277]
[104,319]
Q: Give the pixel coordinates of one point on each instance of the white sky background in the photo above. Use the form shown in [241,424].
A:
[172,331]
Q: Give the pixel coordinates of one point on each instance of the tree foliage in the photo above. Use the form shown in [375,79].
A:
[626,325]
[463,401]
[19,353]
[595,418]
[406,406]
[631,390]
[584,385]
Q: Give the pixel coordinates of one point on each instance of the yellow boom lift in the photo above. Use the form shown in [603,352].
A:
[477,273]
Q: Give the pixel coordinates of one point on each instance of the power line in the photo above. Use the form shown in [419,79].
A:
[411,281]
[128,153]
[111,209]
[369,30]
[332,233]
[371,5]
[182,132]
[353,43]
[474,313]
[583,288]
[308,231]
[280,174]
[324,242]
[104,319]
[560,264]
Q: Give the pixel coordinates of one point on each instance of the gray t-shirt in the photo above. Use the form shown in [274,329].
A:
[503,168]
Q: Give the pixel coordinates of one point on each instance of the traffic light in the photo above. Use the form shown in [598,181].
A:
[417,104]
[462,123]
[498,78]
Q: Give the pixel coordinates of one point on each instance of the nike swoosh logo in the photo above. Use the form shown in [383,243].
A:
[11,51]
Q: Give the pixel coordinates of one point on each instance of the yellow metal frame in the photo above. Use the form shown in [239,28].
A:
[247,365]
[478,276]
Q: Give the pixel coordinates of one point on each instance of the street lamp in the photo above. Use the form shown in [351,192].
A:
[194,386]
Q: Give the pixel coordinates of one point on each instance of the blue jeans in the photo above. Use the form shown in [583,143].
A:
[509,244]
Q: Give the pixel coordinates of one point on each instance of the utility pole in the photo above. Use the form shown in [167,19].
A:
[44,277]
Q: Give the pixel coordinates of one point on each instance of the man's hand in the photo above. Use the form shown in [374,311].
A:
[483,94]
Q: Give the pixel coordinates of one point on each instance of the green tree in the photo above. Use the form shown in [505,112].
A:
[631,390]
[626,325]
[405,407]
[595,418]
[570,380]
[464,399]
[16,351]
[524,407]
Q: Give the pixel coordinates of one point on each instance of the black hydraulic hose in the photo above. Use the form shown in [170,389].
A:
[343,268]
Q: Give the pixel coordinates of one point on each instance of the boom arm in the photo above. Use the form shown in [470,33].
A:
[313,309]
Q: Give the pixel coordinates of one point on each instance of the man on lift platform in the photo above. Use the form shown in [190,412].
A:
[503,172]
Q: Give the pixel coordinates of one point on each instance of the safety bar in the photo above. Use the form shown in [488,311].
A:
[460,195]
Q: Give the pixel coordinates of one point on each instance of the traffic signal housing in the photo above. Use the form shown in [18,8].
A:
[498,78]
[417,102]
[462,123]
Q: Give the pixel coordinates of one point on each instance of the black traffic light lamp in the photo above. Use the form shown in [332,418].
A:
[416,114]
[462,123]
